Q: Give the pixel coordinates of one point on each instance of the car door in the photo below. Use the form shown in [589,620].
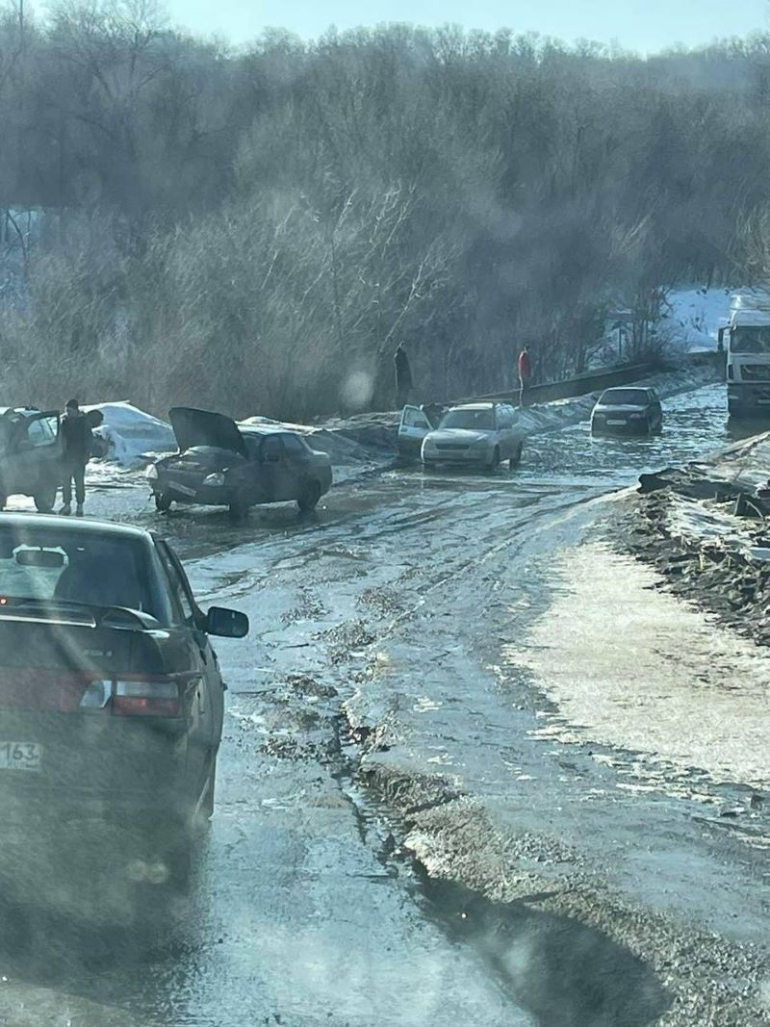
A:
[269,470]
[205,729]
[44,447]
[412,430]
[504,423]
[296,467]
[31,454]
[656,410]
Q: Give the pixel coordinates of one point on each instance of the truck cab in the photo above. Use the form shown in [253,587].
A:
[748,363]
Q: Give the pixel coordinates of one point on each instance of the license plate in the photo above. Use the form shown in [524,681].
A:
[185,490]
[20,756]
[615,423]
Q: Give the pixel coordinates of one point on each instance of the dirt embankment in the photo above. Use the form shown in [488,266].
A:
[703,528]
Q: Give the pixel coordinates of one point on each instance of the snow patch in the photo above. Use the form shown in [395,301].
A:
[133,436]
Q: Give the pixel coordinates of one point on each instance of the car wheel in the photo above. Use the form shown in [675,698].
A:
[45,498]
[310,497]
[516,458]
[162,502]
[495,461]
[237,510]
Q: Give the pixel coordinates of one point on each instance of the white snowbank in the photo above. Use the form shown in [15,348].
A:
[132,434]
[693,316]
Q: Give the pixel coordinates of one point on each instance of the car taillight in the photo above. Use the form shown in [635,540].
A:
[145,698]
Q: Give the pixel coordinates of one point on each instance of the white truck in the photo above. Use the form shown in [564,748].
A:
[747,348]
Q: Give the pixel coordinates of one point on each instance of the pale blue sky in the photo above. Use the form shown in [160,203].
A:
[636,24]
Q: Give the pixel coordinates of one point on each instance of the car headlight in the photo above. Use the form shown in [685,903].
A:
[152,472]
[217,478]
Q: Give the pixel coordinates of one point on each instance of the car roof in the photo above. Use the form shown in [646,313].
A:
[475,406]
[743,318]
[627,388]
[255,431]
[24,411]
[75,527]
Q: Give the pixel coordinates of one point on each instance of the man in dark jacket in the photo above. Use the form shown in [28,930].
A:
[525,374]
[403,376]
[77,440]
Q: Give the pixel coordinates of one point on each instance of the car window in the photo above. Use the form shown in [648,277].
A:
[98,570]
[293,445]
[625,397]
[252,445]
[184,607]
[42,432]
[271,449]
[478,420]
[504,417]
[413,417]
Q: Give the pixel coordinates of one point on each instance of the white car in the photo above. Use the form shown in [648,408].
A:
[485,434]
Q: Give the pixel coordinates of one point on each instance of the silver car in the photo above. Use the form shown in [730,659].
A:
[479,434]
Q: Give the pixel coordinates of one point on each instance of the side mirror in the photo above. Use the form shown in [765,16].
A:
[226,623]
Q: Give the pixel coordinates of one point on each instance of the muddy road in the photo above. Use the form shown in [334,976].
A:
[421,813]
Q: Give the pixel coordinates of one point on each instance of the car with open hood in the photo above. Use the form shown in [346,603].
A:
[475,434]
[111,698]
[221,463]
[627,411]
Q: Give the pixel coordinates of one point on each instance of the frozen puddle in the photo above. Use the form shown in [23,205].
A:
[631,666]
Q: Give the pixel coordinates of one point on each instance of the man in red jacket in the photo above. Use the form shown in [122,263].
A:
[525,373]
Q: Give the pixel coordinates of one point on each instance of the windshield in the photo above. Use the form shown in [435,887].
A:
[474,420]
[625,397]
[343,282]
[750,339]
[53,565]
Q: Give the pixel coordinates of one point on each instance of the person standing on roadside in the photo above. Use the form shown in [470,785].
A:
[77,440]
[525,375]
[403,376]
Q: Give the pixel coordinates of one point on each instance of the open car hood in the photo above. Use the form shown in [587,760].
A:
[205,428]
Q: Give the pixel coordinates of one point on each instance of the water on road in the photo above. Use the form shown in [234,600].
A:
[299,915]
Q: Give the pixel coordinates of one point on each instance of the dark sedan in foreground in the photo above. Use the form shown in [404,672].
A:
[627,411]
[221,463]
[111,706]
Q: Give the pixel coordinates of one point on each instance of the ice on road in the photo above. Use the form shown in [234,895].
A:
[631,666]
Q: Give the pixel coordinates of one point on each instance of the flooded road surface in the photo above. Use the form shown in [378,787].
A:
[381,628]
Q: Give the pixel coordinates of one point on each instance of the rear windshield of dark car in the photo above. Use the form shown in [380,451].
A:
[99,570]
[625,397]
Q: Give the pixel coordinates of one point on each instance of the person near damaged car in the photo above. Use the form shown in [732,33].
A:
[77,440]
